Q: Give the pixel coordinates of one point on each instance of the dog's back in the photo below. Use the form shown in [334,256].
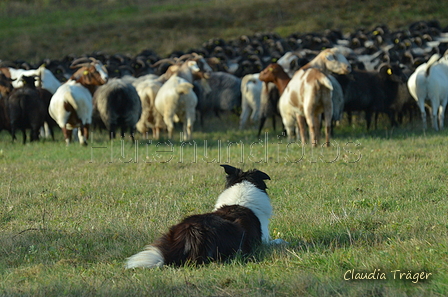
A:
[211,237]
[238,224]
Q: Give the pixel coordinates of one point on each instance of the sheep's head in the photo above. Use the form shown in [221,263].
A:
[193,67]
[392,73]
[269,73]
[205,70]
[202,71]
[337,63]
[29,81]
[5,85]
[332,60]
[91,72]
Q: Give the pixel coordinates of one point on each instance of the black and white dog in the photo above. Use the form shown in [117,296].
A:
[239,222]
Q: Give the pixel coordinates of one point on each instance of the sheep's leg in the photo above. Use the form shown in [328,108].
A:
[434,122]
[302,126]
[13,132]
[368,119]
[434,109]
[244,116]
[24,135]
[328,127]
[112,131]
[289,132]
[392,114]
[313,125]
[441,116]
[50,129]
[80,136]
[132,131]
[67,135]
[83,134]
[186,129]
[260,126]
[34,135]
[289,122]
[421,106]
[327,135]
[189,125]
[123,130]
[377,114]
[424,119]
[170,127]
[254,117]
[156,133]
[349,117]
[86,129]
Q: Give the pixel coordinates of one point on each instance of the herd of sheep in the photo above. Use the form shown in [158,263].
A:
[306,79]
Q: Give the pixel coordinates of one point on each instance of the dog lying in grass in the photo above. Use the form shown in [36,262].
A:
[239,223]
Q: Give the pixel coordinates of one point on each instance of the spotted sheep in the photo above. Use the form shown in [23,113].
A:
[275,80]
[71,105]
[309,94]
[276,74]
[44,77]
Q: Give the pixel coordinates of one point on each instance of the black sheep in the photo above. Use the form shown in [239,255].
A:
[224,94]
[371,91]
[117,104]
[26,109]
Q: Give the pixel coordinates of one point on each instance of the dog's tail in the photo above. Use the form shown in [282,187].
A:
[150,258]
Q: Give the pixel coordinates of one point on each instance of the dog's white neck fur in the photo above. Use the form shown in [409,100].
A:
[248,195]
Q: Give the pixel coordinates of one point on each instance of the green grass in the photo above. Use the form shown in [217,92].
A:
[69,216]
[37,29]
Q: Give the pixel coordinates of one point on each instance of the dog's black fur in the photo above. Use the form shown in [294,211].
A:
[236,175]
[213,236]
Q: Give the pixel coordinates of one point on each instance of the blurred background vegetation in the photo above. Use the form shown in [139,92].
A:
[32,30]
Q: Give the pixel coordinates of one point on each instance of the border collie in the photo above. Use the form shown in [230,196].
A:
[239,223]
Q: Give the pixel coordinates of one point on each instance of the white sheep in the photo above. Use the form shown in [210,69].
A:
[176,99]
[251,88]
[45,78]
[429,83]
[177,102]
[150,118]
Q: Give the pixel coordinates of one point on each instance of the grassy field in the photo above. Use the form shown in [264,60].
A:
[36,29]
[373,203]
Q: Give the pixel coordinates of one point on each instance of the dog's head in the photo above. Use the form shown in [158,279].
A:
[254,176]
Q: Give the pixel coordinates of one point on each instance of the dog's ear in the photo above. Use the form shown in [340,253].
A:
[261,175]
[230,170]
